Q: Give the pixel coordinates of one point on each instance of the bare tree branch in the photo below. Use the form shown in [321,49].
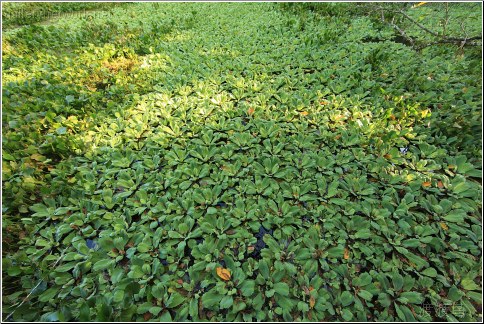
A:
[402,32]
[452,39]
[443,38]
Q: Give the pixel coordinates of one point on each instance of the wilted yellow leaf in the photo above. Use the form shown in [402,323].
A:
[304,113]
[37,157]
[419,4]
[312,301]
[444,226]
[346,255]
[223,273]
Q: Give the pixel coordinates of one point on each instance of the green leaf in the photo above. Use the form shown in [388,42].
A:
[411,243]
[247,288]
[384,299]
[417,260]
[346,314]
[270,293]
[264,268]
[430,272]
[454,294]
[84,312]
[400,313]
[155,310]
[365,294]
[69,99]
[363,280]
[302,306]
[226,302]
[211,298]
[66,267]
[397,280]
[469,284]
[455,216]
[61,130]
[118,296]
[336,252]
[49,294]
[412,297]
[174,300]
[474,295]
[102,264]
[166,317]
[346,298]
[281,288]
[363,233]
[193,309]
[143,247]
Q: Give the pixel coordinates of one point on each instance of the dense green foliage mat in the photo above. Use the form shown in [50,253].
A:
[237,162]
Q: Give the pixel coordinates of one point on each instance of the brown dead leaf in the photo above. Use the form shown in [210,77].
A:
[223,273]
[304,113]
[440,184]
[250,111]
[426,184]
[147,316]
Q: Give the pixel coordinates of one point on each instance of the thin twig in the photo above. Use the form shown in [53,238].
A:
[446,20]
[31,291]
[463,43]
[418,24]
